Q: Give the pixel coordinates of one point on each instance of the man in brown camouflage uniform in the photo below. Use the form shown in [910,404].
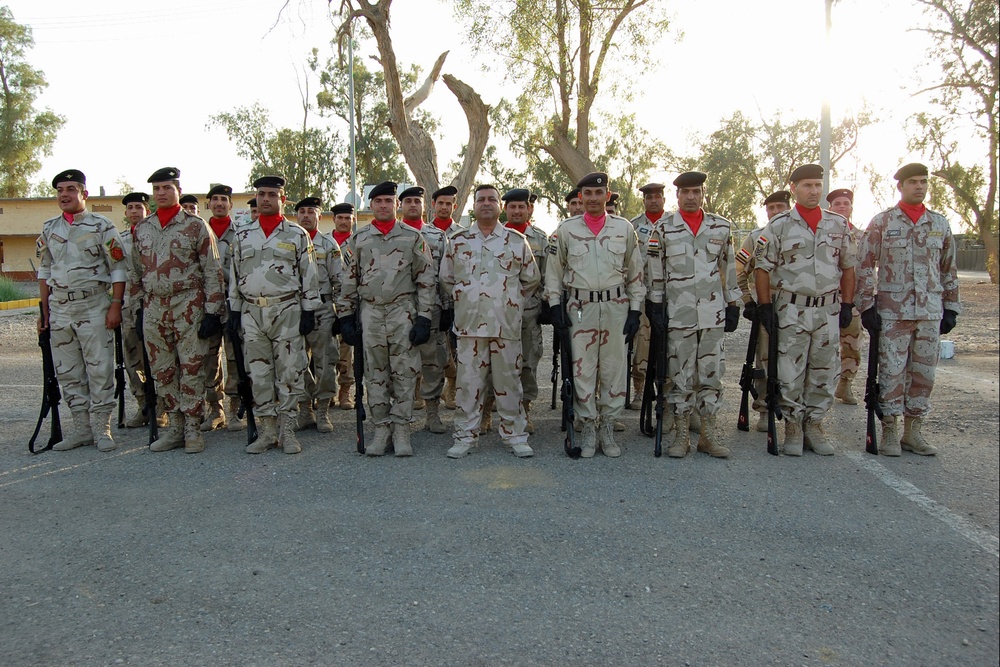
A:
[444,205]
[177,277]
[842,203]
[389,275]
[908,290]
[81,256]
[343,227]
[652,200]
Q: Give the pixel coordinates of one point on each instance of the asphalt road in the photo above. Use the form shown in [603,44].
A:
[329,558]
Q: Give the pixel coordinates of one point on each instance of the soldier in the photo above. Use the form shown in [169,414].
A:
[254,214]
[774,203]
[593,281]
[444,205]
[573,202]
[804,274]
[912,298]
[842,203]
[81,256]
[274,296]
[321,346]
[190,204]
[343,226]
[490,273]
[652,200]
[177,277]
[388,276]
[690,266]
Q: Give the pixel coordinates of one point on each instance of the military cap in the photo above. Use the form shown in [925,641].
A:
[74,175]
[165,174]
[415,191]
[689,179]
[779,197]
[252,203]
[188,199]
[383,188]
[517,194]
[533,198]
[806,171]
[446,191]
[910,170]
[269,182]
[220,190]
[613,199]
[597,179]
[340,209]
[652,187]
[842,192]
[135,197]
[572,194]
[309,202]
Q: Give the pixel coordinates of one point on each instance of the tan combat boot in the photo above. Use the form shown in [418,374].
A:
[267,436]
[845,390]
[486,423]
[913,441]
[682,437]
[761,426]
[102,431]
[890,437]
[138,420]
[449,393]
[81,434]
[434,423]
[637,388]
[289,443]
[418,403]
[214,416]
[173,437]
[233,421]
[694,421]
[162,418]
[460,449]
[815,439]
[792,445]
[401,440]
[529,427]
[307,418]
[344,399]
[380,442]
[323,423]
[588,446]
[608,444]
[708,440]
[193,441]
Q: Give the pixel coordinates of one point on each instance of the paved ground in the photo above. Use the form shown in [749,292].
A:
[328,558]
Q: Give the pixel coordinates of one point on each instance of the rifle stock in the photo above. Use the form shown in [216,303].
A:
[244,386]
[872,391]
[120,376]
[747,376]
[359,383]
[568,392]
[555,371]
[50,394]
[629,353]
[661,379]
[773,391]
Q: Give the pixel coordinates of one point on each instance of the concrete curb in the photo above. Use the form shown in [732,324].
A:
[20,303]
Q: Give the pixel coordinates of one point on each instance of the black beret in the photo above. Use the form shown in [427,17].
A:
[74,175]
[134,198]
[806,171]
[689,179]
[269,182]
[446,191]
[533,198]
[415,191]
[910,170]
[517,194]
[165,174]
[252,203]
[383,188]
[652,187]
[779,197]
[842,192]
[188,199]
[310,202]
[613,199]
[220,190]
[340,209]
[597,179]
[572,194]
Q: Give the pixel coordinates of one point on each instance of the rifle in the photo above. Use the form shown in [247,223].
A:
[629,353]
[149,388]
[244,386]
[872,391]
[661,379]
[120,376]
[555,371]
[748,375]
[773,391]
[568,393]
[649,388]
[50,393]
[359,384]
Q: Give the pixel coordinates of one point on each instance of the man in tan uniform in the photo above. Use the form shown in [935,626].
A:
[574,205]
[593,283]
[254,213]
[842,203]
[444,205]
[652,200]
[190,204]
[343,227]
[81,256]
[489,271]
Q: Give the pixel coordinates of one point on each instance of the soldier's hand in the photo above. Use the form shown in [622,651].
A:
[846,314]
[750,309]
[211,324]
[447,320]
[307,322]
[559,319]
[235,320]
[139,317]
[349,330]
[631,326]
[765,313]
[948,321]
[732,318]
[113,318]
[421,331]
[657,321]
[544,313]
[871,320]
[335,328]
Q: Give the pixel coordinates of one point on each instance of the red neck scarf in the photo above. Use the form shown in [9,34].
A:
[595,223]
[384,227]
[812,216]
[219,225]
[912,211]
[313,233]
[268,223]
[340,237]
[654,217]
[68,217]
[443,225]
[416,224]
[165,215]
[521,227]
[693,220]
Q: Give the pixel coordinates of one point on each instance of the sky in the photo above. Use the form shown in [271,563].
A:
[137,82]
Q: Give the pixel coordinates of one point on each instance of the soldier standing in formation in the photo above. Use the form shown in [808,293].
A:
[593,281]
[254,213]
[908,290]
[443,203]
[388,293]
[652,201]
[81,256]
[343,226]
[805,277]
[177,278]
[574,205]
[190,204]
[489,272]
[842,203]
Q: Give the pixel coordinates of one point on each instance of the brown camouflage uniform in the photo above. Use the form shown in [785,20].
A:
[745,266]
[640,348]
[219,346]
[131,345]
[850,338]
[433,353]
[322,350]
[531,330]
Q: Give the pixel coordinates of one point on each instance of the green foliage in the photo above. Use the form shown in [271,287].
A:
[9,290]
[26,133]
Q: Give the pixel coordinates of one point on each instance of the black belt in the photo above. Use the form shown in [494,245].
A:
[813,301]
[598,295]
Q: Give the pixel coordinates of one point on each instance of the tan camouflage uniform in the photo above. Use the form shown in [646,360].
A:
[433,353]
[321,349]
[640,347]
[850,338]
[219,346]
[745,266]
[131,345]
[531,330]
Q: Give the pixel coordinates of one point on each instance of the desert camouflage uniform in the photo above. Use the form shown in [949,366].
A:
[745,266]
[531,330]
[345,358]
[177,276]
[850,338]
[917,279]
[393,276]
[273,280]
[321,348]
[433,353]
[696,274]
[79,263]
[640,348]
[131,345]
[806,268]
[491,279]
[598,279]
[219,345]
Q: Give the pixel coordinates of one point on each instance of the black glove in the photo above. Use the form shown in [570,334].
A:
[335,329]
[846,314]
[765,313]
[732,319]
[234,322]
[447,319]
[421,331]
[631,326]
[654,311]
[750,309]
[559,320]
[349,330]
[210,325]
[948,321]
[871,320]
[544,313]
[138,324]
[307,322]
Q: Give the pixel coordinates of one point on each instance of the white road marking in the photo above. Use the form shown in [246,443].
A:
[65,468]
[984,540]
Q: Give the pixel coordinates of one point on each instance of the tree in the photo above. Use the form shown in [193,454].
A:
[963,112]
[26,133]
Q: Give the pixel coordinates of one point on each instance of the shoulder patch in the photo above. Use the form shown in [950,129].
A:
[761,248]
[742,257]
[115,250]
[39,246]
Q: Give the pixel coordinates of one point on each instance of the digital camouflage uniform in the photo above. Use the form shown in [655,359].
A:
[219,345]
[322,349]
[745,266]
[131,345]
[640,347]
[850,338]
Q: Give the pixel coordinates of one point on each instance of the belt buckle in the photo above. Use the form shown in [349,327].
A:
[261,302]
